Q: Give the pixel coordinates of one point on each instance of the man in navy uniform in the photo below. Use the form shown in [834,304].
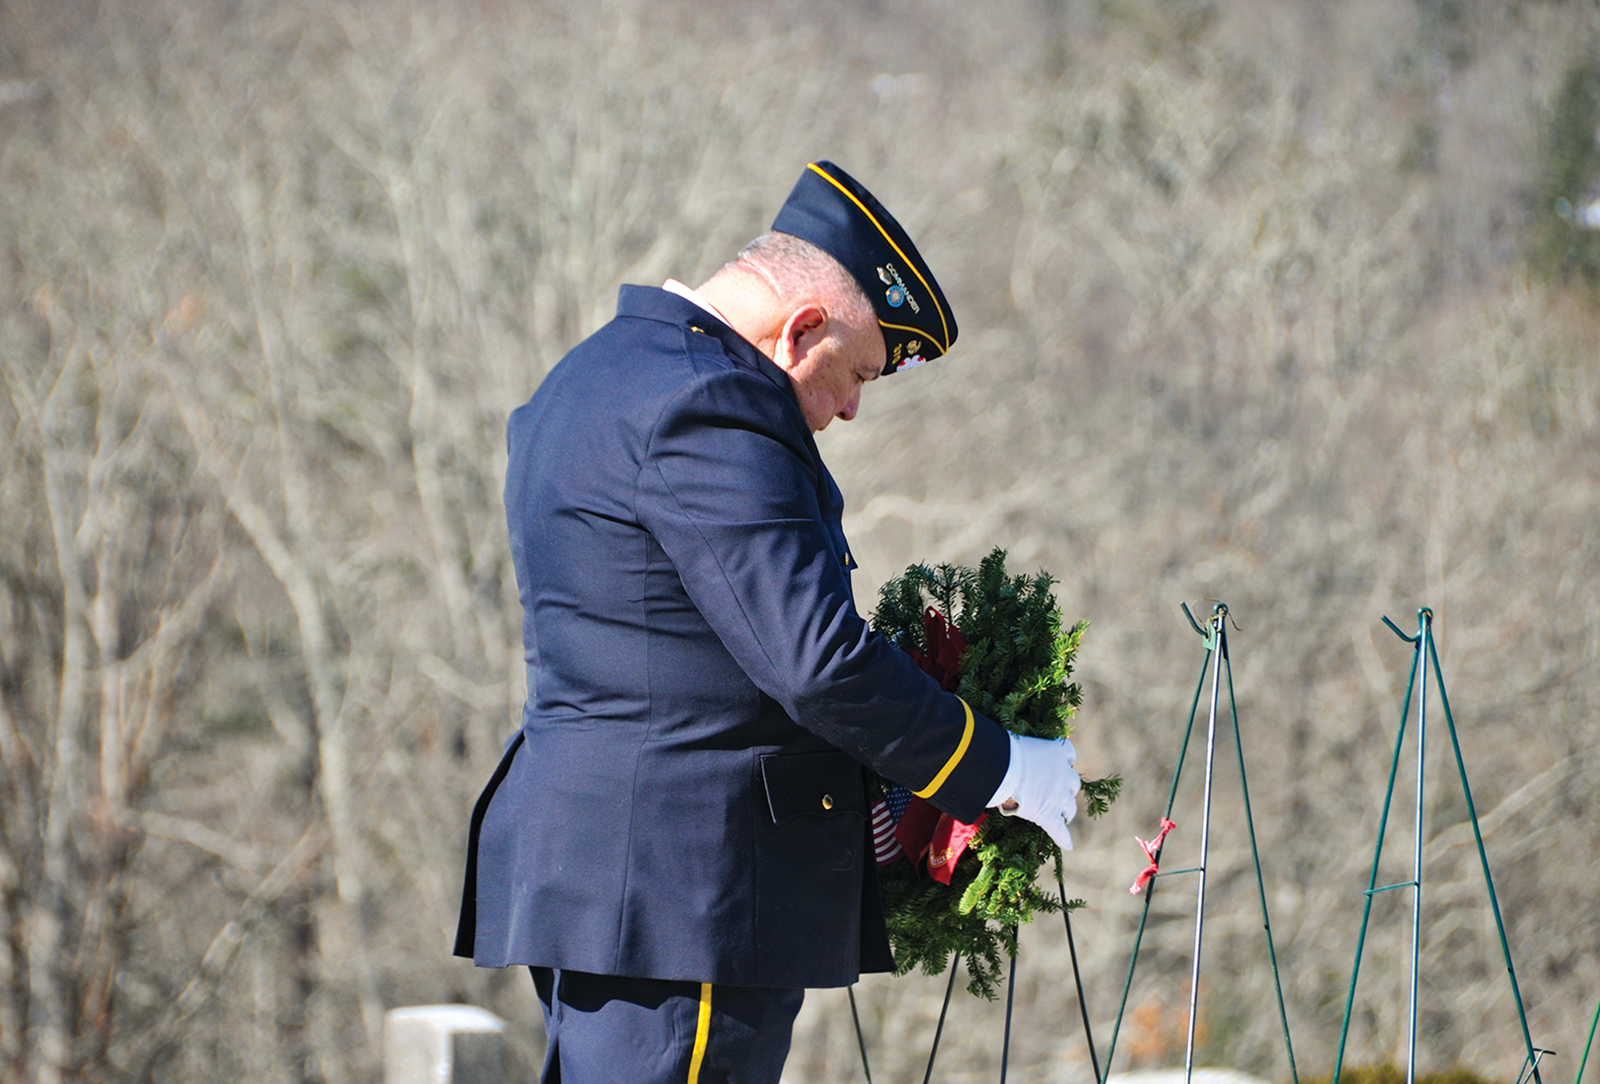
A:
[676,841]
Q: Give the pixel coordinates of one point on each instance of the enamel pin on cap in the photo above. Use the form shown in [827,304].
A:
[830,209]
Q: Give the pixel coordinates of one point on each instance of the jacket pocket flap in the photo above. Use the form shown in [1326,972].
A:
[824,784]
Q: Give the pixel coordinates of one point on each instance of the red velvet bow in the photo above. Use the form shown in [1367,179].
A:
[931,839]
[950,840]
[946,645]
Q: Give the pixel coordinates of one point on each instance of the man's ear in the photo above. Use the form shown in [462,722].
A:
[804,329]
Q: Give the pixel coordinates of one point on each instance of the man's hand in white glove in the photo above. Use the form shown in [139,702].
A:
[1041,786]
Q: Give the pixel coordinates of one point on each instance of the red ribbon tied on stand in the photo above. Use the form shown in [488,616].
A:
[1152,851]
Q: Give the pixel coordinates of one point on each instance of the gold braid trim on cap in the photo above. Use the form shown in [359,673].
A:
[944,347]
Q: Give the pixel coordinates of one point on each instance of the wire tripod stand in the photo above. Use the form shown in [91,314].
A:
[1218,664]
[1424,652]
[1011,987]
[1215,635]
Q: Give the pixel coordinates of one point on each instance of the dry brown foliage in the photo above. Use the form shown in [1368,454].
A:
[1245,315]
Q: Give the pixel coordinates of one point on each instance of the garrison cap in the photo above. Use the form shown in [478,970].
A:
[830,209]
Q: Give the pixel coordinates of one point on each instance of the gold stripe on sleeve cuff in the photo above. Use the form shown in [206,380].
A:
[702,1033]
[955,758]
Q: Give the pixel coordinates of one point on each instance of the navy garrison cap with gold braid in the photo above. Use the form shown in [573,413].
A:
[830,209]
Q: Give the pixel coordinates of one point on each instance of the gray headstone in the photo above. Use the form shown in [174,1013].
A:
[443,1044]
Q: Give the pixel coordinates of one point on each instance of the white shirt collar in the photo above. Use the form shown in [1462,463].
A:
[673,286]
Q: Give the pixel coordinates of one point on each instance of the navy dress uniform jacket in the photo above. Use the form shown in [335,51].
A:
[685,798]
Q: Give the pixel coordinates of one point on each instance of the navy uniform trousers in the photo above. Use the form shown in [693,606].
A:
[685,800]
[604,1028]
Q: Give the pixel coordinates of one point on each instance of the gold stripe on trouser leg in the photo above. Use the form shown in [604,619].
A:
[702,1033]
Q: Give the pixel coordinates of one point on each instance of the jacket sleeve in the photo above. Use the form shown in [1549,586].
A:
[729,490]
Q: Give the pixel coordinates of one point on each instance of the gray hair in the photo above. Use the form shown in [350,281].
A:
[798,270]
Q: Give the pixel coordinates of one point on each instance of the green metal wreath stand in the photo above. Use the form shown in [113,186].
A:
[1011,986]
[1424,653]
[1215,635]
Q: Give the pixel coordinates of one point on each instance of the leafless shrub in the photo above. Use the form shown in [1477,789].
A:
[274,274]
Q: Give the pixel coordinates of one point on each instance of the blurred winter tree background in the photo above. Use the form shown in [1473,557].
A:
[1284,303]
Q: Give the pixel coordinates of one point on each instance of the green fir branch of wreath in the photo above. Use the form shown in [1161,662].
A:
[1016,670]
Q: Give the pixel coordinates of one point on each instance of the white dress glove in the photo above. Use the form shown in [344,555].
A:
[1040,786]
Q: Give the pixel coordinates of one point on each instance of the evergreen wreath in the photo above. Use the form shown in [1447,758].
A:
[1016,670]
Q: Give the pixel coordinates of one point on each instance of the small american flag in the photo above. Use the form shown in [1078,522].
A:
[886,812]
